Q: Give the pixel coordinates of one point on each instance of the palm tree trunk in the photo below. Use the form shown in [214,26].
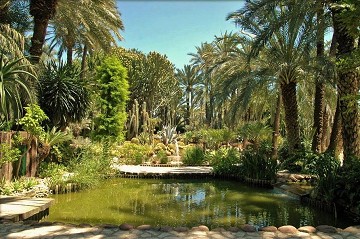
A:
[348,88]
[187,117]
[288,92]
[319,85]
[318,116]
[42,11]
[83,62]
[336,145]
[276,132]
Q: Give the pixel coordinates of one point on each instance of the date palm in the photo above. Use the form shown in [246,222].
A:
[189,80]
[95,24]
[42,11]
[346,27]
[15,87]
[288,40]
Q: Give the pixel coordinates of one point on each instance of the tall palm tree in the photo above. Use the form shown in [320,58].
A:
[289,42]
[346,24]
[94,25]
[189,80]
[42,11]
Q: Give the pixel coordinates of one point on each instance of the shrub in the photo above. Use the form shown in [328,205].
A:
[54,172]
[194,156]
[226,161]
[258,164]
[131,153]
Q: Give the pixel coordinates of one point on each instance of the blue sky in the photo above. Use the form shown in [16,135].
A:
[174,28]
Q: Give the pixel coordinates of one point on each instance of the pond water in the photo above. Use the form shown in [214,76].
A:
[185,203]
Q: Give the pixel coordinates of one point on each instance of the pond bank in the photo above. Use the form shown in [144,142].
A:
[49,230]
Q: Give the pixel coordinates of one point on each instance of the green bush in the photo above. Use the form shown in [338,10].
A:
[325,167]
[258,164]
[347,185]
[54,172]
[194,156]
[134,154]
[226,161]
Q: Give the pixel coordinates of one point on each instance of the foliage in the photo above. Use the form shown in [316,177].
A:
[255,132]
[60,89]
[168,134]
[53,172]
[258,164]
[17,185]
[162,157]
[325,167]
[8,153]
[113,92]
[15,87]
[347,188]
[31,122]
[194,156]
[225,161]
[152,80]
[134,154]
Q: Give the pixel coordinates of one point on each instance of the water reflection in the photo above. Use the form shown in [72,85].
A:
[185,203]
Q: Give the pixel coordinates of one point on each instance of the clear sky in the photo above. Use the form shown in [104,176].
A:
[174,28]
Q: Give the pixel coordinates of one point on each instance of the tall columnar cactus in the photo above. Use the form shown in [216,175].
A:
[133,124]
[145,119]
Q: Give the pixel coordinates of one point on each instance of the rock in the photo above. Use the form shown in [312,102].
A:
[181,229]
[307,229]
[84,225]
[219,229]
[293,178]
[126,227]
[144,227]
[200,228]
[108,226]
[326,229]
[288,229]
[166,228]
[248,228]
[352,229]
[233,229]
[268,229]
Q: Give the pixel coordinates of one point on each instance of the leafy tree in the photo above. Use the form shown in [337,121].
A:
[61,95]
[113,93]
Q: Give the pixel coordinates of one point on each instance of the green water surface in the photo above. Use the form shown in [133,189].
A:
[185,203]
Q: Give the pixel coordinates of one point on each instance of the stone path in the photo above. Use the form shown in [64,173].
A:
[62,231]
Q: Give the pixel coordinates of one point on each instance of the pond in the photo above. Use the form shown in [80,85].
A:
[185,203]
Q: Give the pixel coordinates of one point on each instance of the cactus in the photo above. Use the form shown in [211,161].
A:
[133,125]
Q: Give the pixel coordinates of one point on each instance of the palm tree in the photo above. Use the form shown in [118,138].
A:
[42,11]
[94,26]
[346,25]
[289,42]
[15,87]
[189,80]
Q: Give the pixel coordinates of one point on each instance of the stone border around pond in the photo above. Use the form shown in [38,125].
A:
[31,229]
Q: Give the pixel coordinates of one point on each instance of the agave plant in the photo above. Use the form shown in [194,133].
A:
[168,134]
